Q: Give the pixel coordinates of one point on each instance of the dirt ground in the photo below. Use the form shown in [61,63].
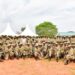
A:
[33,67]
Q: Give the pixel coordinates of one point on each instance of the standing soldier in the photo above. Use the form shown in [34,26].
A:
[6,52]
[44,49]
[50,51]
[36,52]
[23,51]
[32,49]
[26,50]
[40,49]
[11,52]
[1,52]
[57,52]
[16,51]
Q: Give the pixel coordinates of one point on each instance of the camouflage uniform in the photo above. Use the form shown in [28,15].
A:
[1,53]
[16,52]
[36,52]
[6,52]
[57,53]
[41,54]
[26,50]
[70,56]
[32,49]
[11,52]
[50,52]
[44,49]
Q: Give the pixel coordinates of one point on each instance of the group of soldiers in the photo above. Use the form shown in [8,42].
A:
[39,47]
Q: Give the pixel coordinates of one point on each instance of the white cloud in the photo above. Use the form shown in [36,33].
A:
[32,12]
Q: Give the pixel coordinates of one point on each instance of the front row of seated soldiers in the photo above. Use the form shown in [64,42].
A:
[15,48]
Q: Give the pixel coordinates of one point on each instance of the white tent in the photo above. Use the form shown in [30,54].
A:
[8,31]
[28,32]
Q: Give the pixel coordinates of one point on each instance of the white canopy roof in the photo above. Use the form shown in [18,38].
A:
[28,32]
[8,31]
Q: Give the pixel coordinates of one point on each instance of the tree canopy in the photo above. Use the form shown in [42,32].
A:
[46,29]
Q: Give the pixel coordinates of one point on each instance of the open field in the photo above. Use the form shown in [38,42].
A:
[33,67]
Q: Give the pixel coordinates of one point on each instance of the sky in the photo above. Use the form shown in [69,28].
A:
[19,13]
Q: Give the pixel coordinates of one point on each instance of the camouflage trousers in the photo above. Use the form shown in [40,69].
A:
[6,55]
[38,54]
[11,54]
[1,54]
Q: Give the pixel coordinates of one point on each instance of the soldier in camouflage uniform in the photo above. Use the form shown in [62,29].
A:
[50,51]
[11,52]
[6,52]
[40,48]
[70,56]
[22,50]
[62,50]
[57,53]
[32,49]
[36,52]
[1,51]
[26,51]
[44,49]
[16,51]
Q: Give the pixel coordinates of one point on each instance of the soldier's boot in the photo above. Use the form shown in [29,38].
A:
[17,57]
[66,62]
[49,58]
[11,57]
[23,55]
[1,60]
[57,59]
[36,57]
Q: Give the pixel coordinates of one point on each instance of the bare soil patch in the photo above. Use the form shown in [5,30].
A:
[33,67]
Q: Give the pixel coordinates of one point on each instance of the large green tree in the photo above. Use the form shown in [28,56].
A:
[46,29]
